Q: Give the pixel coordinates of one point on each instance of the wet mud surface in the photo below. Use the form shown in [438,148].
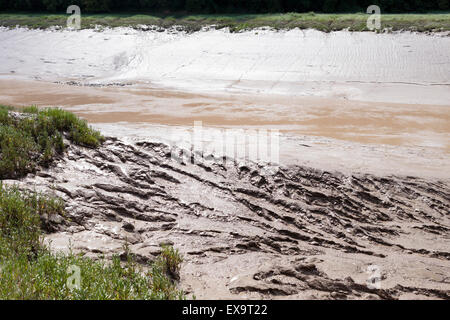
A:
[368,112]
[247,232]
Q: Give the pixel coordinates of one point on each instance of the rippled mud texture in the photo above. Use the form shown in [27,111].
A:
[246,232]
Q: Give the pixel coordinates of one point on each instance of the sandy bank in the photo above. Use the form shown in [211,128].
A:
[401,67]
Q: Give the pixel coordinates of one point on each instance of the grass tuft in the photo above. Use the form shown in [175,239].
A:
[35,137]
[169,261]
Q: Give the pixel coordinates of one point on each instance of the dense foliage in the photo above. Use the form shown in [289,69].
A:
[227,6]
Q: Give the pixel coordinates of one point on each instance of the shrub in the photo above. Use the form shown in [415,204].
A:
[170,261]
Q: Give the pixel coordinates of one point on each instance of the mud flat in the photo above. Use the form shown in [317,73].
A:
[360,192]
[399,67]
[382,97]
[295,232]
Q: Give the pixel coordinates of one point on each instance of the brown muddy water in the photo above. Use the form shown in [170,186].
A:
[412,138]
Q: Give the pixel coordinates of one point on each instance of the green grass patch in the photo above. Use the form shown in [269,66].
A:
[28,270]
[34,137]
[170,261]
[237,22]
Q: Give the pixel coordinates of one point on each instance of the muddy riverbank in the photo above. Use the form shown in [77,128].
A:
[294,232]
[356,207]
[383,98]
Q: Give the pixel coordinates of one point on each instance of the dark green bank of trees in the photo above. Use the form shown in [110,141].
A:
[226,6]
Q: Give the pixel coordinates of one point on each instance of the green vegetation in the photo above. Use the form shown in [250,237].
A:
[170,261]
[237,22]
[192,15]
[35,137]
[226,6]
[20,224]
[28,270]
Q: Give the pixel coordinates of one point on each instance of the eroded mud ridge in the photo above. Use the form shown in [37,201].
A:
[247,232]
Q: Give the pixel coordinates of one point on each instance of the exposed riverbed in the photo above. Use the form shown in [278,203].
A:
[361,181]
